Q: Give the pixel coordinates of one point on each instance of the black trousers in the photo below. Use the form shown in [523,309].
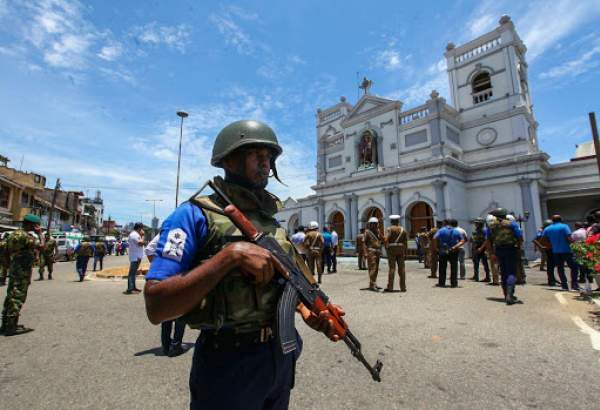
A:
[452,258]
[480,257]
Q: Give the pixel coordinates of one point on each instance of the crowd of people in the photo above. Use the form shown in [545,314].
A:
[318,249]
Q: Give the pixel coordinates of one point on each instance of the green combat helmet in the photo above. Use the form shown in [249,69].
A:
[499,213]
[244,133]
[478,221]
[546,223]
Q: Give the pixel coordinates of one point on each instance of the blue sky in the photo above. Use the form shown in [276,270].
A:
[89,90]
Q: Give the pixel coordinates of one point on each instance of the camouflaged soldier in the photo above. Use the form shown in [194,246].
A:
[84,252]
[396,243]
[361,252]
[23,246]
[4,258]
[47,257]
[504,237]
[433,250]
[373,242]
[206,272]
[314,243]
[424,241]
[478,251]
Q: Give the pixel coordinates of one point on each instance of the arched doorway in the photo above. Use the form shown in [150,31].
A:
[293,223]
[336,221]
[370,213]
[420,215]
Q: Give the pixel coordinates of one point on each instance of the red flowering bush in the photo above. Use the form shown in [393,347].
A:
[588,253]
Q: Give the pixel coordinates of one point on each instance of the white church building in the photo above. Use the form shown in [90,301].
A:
[457,159]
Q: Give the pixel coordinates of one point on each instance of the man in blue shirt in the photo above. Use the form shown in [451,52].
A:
[559,235]
[449,241]
[204,271]
[327,248]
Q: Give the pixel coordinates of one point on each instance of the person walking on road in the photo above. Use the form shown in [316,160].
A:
[135,243]
[373,242]
[4,258]
[24,246]
[478,251]
[47,257]
[559,235]
[396,243]
[313,242]
[449,241]
[99,253]
[84,252]
[334,249]
[327,243]
[503,239]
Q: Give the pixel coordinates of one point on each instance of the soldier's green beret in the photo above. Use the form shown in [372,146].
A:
[32,218]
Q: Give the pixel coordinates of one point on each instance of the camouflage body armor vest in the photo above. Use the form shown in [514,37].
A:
[477,237]
[100,249]
[236,302]
[502,234]
[21,247]
[86,249]
[50,248]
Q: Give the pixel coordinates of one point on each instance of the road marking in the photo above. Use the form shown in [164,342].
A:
[585,328]
[561,298]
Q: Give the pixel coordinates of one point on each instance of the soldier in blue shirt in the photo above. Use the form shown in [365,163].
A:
[503,238]
[559,235]
[207,274]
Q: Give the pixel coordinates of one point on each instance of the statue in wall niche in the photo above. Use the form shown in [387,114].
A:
[367,149]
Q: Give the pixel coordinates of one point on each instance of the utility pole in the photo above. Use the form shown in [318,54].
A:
[154,201]
[183,115]
[56,188]
[595,138]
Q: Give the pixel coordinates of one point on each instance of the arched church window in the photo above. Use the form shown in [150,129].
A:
[482,87]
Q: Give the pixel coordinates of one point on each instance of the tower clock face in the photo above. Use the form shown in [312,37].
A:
[487,136]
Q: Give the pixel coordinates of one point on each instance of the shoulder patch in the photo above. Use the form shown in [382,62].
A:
[175,244]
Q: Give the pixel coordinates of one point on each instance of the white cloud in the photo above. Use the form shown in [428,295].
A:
[583,63]
[481,24]
[242,13]
[176,37]
[276,68]
[111,52]
[435,78]
[234,35]
[119,74]
[546,23]
[388,59]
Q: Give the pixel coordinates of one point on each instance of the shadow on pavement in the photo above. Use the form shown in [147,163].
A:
[158,351]
[501,300]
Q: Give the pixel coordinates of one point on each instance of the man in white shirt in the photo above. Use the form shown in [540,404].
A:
[136,253]
[298,241]
[334,249]
[461,253]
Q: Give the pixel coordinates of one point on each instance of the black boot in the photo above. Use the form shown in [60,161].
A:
[49,275]
[319,279]
[41,276]
[510,291]
[3,281]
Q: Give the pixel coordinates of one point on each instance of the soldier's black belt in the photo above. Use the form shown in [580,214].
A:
[231,340]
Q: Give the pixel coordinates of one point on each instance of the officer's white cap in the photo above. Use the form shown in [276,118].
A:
[510,217]
[373,220]
[313,225]
[393,217]
[490,219]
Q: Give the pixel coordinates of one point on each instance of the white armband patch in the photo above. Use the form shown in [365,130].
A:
[175,244]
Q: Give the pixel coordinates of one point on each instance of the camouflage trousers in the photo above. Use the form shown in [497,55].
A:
[3,271]
[46,262]
[373,265]
[16,293]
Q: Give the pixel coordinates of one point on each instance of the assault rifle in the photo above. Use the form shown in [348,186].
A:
[297,287]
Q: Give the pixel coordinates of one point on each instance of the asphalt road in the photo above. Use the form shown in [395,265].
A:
[442,349]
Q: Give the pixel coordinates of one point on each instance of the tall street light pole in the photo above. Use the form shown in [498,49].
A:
[183,115]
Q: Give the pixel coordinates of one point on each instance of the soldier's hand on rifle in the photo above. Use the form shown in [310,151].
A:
[254,261]
[323,322]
